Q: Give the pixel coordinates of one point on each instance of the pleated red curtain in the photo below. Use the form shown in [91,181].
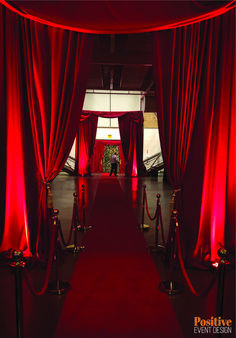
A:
[217,116]
[18,167]
[85,140]
[56,65]
[195,96]
[131,134]
[177,65]
[96,160]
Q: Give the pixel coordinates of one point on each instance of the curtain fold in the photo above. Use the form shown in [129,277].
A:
[57,67]
[217,213]
[17,155]
[131,134]
[194,77]
[177,65]
[85,140]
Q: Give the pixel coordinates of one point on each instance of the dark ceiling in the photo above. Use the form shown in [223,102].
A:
[122,62]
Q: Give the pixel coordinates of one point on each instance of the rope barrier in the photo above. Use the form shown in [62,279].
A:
[83,226]
[57,287]
[157,248]
[61,234]
[75,225]
[172,287]
[211,284]
[143,226]
[49,266]
[151,218]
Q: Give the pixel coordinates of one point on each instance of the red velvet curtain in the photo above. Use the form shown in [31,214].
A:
[131,133]
[217,213]
[195,97]
[18,168]
[85,140]
[54,65]
[58,67]
[99,148]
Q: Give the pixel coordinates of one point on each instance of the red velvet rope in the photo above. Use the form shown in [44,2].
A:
[151,218]
[49,266]
[61,234]
[214,278]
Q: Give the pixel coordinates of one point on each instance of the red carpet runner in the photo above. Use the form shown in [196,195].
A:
[115,283]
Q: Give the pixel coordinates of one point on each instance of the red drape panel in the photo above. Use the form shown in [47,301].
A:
[85,140]
[2,122]
[117,17]
[131,133]
[193,91]
[217,215]
[177,65]
[57,64]
[17,156]
[96,159]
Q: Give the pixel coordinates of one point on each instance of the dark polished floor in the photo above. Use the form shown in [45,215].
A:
[41,313]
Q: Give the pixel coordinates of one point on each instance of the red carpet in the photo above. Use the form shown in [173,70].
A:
[115,283]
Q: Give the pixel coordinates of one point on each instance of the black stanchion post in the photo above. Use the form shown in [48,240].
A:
[18,264]
[170,286]
[144,226]
[222,253]
[157,248]
[83,227]
[74,247]
[57,287]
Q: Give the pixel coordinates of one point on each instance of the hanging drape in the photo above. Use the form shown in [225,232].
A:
[85,139]
[217,213]
[18,169]
[131,133]
[195,96]
[96,165]
[56,64]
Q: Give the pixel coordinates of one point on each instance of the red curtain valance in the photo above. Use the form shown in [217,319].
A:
[118,17]
[136,115]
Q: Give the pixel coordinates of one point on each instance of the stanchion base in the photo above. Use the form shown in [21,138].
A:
[58,288]
[75,249]
[84,229]
[156,248]
[171,288]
